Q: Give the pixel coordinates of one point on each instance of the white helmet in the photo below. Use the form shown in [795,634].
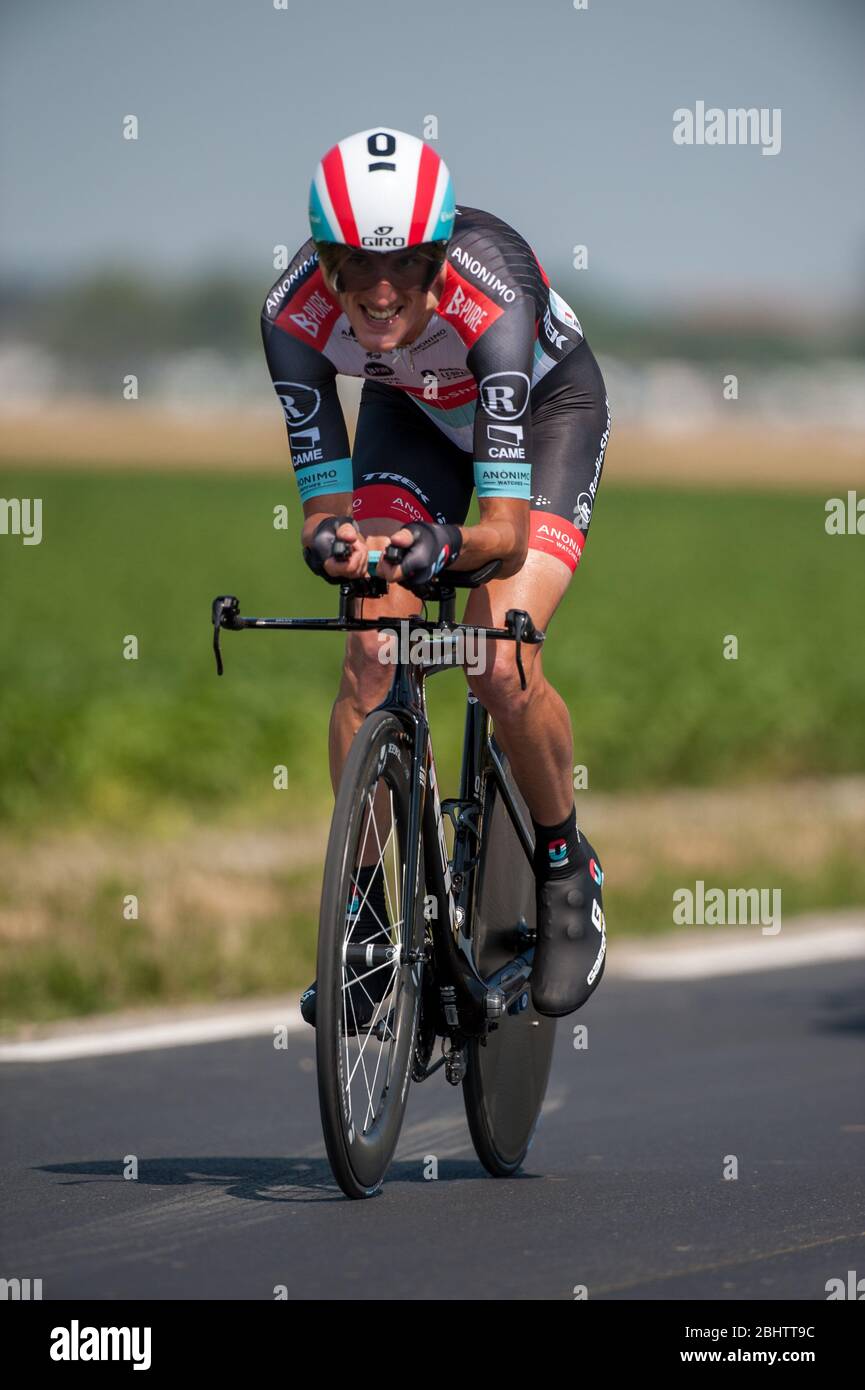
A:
[381,190]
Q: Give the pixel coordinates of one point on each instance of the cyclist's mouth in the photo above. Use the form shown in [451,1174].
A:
[380,321]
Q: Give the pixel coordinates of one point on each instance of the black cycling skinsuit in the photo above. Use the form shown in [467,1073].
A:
[501,393]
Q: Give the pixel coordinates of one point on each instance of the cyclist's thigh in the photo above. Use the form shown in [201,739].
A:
[405,469]
[570,430]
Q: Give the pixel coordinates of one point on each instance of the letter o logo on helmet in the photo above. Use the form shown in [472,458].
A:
[381,190]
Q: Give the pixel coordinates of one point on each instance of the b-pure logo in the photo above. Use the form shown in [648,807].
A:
[22,516]
[77,1343]
[434,647]
[742,907]
[735,126]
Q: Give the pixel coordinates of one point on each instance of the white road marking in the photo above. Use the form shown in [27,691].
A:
[108,1042]
[704,962]
[807,941]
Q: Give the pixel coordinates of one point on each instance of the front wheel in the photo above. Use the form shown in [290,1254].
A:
[369,966]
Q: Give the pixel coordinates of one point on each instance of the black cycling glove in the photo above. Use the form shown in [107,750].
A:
[320,547]
[434,548]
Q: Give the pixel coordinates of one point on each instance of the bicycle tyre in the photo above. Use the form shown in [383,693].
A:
[360,1153]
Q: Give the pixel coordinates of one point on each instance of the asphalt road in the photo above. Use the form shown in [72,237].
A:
[623,1190]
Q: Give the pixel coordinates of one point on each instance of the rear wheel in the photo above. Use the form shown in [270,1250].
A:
[364,1067]
[507,1069]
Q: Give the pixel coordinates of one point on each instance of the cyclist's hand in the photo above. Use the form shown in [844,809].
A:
[429,548]
[319,553]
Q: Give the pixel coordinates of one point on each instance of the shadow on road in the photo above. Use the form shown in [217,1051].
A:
[257,1179]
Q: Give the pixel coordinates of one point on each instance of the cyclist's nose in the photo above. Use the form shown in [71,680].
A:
[383,294]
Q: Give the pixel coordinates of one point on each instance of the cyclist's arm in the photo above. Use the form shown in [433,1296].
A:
[501,362]
[502,533]
[305,382]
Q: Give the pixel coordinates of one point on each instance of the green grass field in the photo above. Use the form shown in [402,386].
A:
[155,751]
[636,650]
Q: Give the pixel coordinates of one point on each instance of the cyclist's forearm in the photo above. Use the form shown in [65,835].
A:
[320,509]
[493,540]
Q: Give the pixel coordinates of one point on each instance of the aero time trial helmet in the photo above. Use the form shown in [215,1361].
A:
[381,191]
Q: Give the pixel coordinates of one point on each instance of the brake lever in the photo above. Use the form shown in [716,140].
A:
[520,625]
[225,609]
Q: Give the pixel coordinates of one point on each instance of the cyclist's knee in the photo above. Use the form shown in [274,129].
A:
[498,687]
[365,678]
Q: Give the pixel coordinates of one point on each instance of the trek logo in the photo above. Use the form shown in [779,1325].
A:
[558,852]
[305,446]
[315,311]
[377,369]
[300,403]
[381,236]
[558,340]
[505,395]
[76,1343]
[506,441]
[462,306]
[397,478]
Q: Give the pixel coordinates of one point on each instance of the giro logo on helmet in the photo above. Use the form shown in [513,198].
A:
[382,236]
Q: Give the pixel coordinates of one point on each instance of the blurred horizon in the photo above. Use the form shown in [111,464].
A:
[570,141]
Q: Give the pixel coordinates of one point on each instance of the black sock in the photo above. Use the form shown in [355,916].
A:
[558,849]
[369,880]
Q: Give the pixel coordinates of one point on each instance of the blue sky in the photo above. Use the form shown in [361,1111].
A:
[558,120]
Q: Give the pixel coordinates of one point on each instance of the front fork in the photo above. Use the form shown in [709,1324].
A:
[463,998]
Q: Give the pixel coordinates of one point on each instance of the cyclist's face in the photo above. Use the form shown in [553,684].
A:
[384,296]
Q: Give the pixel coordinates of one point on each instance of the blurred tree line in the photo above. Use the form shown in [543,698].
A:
[102,316]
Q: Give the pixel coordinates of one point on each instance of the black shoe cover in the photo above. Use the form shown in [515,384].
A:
[360,1007]
[363,997]
[571,944]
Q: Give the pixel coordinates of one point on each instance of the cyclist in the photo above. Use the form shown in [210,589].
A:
[475,373]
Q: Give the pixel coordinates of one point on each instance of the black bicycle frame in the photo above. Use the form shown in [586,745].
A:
[470,1002]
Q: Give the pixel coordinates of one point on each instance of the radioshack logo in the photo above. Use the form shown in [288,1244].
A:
[77,1343]
[300,403]
[505,395]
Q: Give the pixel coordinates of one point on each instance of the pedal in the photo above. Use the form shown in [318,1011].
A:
[455,1066]
[384,1028]
[526,935]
